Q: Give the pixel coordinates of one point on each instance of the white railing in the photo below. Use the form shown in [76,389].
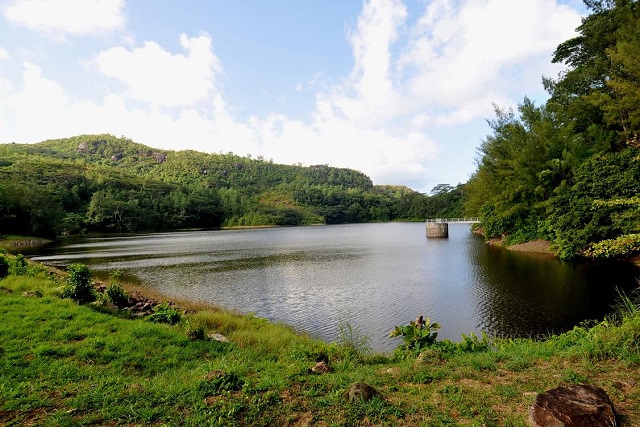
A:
[471,220]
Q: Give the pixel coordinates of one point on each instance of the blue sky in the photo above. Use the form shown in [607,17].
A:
[398,89]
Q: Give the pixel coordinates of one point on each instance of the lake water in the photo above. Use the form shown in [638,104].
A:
[371,276]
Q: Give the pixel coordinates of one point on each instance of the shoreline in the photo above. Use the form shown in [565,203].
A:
[533,247]
[269,373]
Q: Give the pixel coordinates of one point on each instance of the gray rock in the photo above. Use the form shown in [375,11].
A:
[362,391]
[218,337]
[573,406]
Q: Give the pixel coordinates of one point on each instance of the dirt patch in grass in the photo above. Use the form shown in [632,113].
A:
[536,246]
[533,247]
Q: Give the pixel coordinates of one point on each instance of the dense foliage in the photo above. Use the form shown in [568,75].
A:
[107,184]
[569,170]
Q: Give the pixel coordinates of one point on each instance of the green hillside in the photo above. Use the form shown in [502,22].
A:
[101,183]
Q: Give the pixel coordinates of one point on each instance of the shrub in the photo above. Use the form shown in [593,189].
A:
[19,265]
[416,336]
[621,246]
[4,267]
[164,313]
[79,286]
[117,295]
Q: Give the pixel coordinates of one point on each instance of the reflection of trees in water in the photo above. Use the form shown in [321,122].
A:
[529,295]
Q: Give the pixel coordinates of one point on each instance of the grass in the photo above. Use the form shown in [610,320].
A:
[64,364]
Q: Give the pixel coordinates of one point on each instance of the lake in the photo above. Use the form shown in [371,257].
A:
[369,276]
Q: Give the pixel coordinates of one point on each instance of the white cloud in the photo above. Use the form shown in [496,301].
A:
[59,17]
[410,79]
[460,53]
[151,74]
[3,54]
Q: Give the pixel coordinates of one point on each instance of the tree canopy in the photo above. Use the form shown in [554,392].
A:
[102,183]
[569,170]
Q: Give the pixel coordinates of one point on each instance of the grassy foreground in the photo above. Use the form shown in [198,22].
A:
[64,364]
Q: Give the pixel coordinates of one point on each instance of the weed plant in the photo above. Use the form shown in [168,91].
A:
[117,295]
[164,313]
[79,284]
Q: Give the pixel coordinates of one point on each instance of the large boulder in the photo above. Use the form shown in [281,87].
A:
[362,391]
[573,406]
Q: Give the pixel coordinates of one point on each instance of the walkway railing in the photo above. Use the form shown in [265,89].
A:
[471,220]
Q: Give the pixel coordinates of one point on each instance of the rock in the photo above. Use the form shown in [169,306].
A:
[218,337]
[320,368]
[362,391]
[573,406]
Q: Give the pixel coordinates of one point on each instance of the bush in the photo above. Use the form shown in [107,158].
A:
[622,246]
[416,336]
[117,295]
[79,286]
[164,313]
[19,265]
[4,267]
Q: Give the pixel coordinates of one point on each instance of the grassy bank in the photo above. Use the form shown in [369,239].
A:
[62,363]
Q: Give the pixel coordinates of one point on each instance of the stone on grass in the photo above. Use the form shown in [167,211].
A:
[218,337]
[320,368]
[573,406]
[362,391]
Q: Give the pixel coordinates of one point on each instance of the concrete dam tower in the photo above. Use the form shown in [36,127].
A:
[437,229]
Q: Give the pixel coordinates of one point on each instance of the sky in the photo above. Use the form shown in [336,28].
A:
[400,90]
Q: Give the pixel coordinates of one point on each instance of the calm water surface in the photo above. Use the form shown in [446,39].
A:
[374,276]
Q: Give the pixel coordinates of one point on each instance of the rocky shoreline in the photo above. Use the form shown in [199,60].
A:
[22,242]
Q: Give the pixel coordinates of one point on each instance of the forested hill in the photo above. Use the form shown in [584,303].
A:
[94,183]
[569,170]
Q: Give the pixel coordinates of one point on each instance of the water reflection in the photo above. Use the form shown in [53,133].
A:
[374,276]
[532,295]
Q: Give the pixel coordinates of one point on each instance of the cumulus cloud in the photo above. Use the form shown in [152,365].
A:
[153,75]
[458,56]
[411,79]
[3,54]
[462,52]
[60,17]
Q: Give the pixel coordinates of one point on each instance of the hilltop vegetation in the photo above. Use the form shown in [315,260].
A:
[569,171]
[103,183]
